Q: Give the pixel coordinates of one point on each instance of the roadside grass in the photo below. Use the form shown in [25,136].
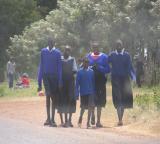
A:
[9,94]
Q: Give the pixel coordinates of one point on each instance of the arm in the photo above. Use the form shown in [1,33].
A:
[40,74]
[74,66]
[77,85]
[59,64]
[131,69]
[105,68]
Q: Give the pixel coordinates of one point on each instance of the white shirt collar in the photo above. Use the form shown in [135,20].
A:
[67,58]
[51,49]
[122,52]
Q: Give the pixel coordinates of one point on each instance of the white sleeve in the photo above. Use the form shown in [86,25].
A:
[74,65]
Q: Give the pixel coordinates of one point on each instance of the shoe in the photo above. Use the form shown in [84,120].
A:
[88,125]
[120,123]
[99,125]
[47,122]
[61,125]
[70,124]
[80,121]
[93,120]
[65,125]
[53,124]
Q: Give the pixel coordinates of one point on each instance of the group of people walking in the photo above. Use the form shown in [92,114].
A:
[65,83]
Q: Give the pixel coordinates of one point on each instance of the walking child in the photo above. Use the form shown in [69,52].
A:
[67,101]
[85,86]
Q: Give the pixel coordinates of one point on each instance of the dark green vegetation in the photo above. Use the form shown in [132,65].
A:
[77,22]
[15,15]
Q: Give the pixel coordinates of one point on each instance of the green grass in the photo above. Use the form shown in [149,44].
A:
[6,93]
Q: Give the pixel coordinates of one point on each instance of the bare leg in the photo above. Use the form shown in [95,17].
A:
[99,109]
[70,120]
[93,117]
[120,112]
[47,122]
[61,117]
[89,116]
[53,113]
[81,116]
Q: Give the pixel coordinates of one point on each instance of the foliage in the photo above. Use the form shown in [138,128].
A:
[2,91]
[77,22]
[15,15]
[6,93]
[149,101]
[45,6]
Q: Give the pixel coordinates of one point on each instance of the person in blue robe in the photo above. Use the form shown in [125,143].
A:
[50,71]
[99,63]
[121,71]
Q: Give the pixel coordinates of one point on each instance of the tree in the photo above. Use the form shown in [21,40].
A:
[77,22]
[15,15]
[45,6]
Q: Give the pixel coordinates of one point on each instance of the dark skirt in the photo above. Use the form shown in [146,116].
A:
[122,92]
[51,87]
[100,88]
[87,101]
[67,101]
[100,98]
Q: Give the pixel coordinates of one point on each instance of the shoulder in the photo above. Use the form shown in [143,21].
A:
[126,54]
[104,55]
[112,53]
[43,50]
[57,52]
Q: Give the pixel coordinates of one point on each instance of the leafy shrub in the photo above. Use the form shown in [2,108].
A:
[156,98]
[143,101]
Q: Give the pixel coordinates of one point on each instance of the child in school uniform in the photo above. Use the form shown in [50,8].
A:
[67,101]
[85,87]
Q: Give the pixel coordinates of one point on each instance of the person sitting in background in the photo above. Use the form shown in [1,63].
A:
[23,81]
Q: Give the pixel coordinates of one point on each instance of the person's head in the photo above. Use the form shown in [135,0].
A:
[119,45]
[51,43]
[95,47]
[85,63]
[67,51]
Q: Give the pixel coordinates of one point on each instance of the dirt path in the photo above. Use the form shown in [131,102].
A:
[32,110]
[22,132]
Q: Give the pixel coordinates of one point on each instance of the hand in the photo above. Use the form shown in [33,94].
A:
[39,89]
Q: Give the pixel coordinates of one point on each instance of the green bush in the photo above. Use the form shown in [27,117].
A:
[143,101]
[156,98]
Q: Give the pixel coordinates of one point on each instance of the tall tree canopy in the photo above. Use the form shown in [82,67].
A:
[76,22]
[14,16]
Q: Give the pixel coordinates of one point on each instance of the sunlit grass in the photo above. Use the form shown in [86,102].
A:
[6,93]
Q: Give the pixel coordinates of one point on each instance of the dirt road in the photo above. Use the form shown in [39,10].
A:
[20,132]
[21,122]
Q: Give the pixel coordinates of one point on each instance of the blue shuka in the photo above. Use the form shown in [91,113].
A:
[99,64]
[121,72]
